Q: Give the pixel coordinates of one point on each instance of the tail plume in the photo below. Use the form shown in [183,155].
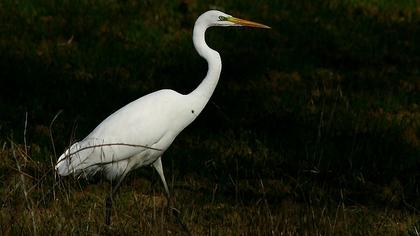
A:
[73,161]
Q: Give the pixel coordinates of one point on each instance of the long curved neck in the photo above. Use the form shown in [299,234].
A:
[206,88]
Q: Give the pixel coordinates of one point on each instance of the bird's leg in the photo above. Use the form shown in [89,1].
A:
[158,167]
[108,209]
[170,205]
[110,198]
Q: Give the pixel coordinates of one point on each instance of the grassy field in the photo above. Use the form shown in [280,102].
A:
[35,202]
[314,128]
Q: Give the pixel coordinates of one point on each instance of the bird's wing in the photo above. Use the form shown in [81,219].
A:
[142,126]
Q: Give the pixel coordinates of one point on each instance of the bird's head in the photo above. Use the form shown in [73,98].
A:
[218,18]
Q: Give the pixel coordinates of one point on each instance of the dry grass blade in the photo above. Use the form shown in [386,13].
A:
[29,203]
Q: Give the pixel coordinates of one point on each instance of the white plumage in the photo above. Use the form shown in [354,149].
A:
[151,121]
[139,133]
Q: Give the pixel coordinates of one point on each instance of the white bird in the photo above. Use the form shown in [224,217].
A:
[139,133]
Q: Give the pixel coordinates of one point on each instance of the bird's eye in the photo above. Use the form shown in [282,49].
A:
[222,18]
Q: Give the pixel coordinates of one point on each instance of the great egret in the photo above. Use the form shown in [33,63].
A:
[139,133]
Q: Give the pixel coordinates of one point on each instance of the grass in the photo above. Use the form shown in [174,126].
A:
[313,129]
[34,201]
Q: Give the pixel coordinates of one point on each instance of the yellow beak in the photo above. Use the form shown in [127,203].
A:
[247,23]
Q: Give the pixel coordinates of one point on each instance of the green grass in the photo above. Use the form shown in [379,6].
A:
[313,128]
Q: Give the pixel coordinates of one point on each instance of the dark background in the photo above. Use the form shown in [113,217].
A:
[328,98]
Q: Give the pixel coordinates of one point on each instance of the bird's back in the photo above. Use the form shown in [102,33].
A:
[134,136]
